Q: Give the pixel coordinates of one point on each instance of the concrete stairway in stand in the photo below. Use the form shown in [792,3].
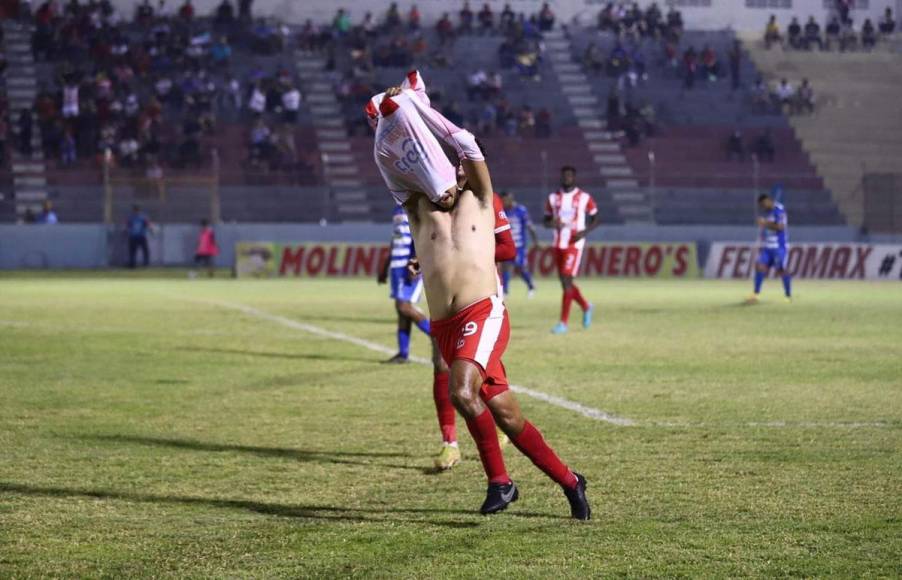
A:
[340,169]
[29,172]
[632,203]
[857,126]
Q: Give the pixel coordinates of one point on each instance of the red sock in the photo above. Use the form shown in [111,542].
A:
[566,300]
[532,445]
[578,296]
[482,428]
[443,407]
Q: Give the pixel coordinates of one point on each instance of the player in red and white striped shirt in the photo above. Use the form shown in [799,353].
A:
[573,214]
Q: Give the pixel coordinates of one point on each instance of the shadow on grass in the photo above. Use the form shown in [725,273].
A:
[308,512]
[280,355]
[302,455]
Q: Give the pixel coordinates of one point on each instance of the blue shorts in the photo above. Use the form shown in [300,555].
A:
[520,259]
[404,289]
[773,258]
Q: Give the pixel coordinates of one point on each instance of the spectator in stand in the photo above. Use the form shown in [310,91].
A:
[476,85]
[772,32]
[710,66]
[674,23]
[488,117]
[546,18]
[847,37]
[244,10]
[221,53]
[543,123]
[794,33]
[493,85]
[868,35]
[413,18]
[144,13]
[812,35]
[341,24]
[453,114]
[507,19]
[761,99]
[257,102]
[887,23]
[392,17]
[834,29]
[137,228]
[784,94]
[690,67]
[186,12]
[612,114]
[526,120]
[466,19]
[805,98]
[844,7]
[47,215]
[445,29]
[225,14]
[486,20]
[735,147]
[291,104]
[764,146]
[736,65]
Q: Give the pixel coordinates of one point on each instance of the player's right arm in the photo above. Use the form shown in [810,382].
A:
[548,219]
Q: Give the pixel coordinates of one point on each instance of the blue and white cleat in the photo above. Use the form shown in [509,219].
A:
[587,316]
[559,328]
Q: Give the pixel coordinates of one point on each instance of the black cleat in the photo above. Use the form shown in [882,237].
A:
[579,504]
[398,359]
[498,497]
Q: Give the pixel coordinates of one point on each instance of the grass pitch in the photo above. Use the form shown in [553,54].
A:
[148,430]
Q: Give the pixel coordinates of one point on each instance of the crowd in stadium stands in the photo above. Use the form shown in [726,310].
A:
[151,91]
[838,32]
[397,40]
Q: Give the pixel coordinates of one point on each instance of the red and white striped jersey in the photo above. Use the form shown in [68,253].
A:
[570,209]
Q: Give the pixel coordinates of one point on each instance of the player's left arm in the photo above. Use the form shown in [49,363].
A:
[505,248]
[592,219]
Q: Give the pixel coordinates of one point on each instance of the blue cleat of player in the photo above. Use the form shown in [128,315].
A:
[559,328]
[587,316]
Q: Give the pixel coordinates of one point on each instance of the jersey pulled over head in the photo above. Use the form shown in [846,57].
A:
[411,142]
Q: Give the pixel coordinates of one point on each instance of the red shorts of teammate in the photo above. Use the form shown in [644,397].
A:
[568,260]
[479,333]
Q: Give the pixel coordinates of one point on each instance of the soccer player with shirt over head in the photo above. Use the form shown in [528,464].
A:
[774,246]
[453,230]
[573,214]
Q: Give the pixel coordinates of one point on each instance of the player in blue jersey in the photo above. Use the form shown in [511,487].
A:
[774,249]
[518,216]
[405,288]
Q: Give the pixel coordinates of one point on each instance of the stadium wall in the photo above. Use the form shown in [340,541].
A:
[97,246]
[741,15]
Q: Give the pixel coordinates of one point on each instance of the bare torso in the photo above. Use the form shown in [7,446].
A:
[456,251]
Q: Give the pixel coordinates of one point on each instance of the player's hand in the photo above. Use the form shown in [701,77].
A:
[762,222]
[578,236]
[413,268]
[382,278]
[392,91]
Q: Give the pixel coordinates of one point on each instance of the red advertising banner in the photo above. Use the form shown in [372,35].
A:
[314,259]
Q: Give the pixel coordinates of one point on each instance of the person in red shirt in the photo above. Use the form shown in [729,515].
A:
[207,249]
[573,214]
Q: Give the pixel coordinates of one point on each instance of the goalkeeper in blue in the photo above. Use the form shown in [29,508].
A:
[774,249]
[521,225]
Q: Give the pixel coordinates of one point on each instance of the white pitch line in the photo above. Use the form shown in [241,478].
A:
[588,412]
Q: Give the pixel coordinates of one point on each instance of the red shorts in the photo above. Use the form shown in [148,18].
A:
[568,260]
[479,333]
